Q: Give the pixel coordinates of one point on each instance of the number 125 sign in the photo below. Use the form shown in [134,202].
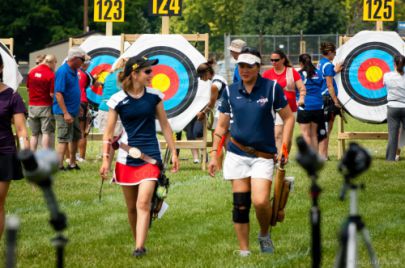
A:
[165,7]
[378,10]
[109,10]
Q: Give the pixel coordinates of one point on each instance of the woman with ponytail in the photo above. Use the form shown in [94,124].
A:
[310,115]
[395,83]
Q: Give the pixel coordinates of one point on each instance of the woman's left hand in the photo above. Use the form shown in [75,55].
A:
[175,163]
[301,102]
[200,116]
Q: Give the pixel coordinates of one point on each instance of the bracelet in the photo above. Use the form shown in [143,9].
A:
[213,150]
[107,142]
[106,155]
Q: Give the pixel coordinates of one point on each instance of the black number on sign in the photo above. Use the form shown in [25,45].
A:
[388,9]
[109,4]
[379,5]
[100,9]
[118,6]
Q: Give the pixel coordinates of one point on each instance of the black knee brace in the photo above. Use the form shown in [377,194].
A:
[241,207]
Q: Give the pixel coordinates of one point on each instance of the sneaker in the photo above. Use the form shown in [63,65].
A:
[242,253]
[397,157]
[75,167]
[196,161]
[139,252]
[79,159]
[266,244]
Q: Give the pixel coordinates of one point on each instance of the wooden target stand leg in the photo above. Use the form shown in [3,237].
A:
[353,135]
[182,144]
[9,42]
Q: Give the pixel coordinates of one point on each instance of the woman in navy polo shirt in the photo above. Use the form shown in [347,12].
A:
[310,115]
[138,107]
[248,109]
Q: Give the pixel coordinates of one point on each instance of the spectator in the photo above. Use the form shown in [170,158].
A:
[12,109]
[40,85]
[235,48]
[284,74]
[395,83]
[66,106]
[311,114]
[331,103]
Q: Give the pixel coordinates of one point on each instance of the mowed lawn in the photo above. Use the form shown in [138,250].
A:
[197,229]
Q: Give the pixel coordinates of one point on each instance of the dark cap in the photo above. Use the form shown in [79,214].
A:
[138,62]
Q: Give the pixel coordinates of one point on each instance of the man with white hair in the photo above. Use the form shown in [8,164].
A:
[40,85]
[66,105]
[235,48]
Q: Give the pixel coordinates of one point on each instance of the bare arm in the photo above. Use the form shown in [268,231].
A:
[220,131]
[303,91]
[167,133]
[107,138]
[21,130]
[331,89]
[288,129]
[61,101]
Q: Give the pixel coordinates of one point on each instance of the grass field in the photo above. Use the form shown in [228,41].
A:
[197,229]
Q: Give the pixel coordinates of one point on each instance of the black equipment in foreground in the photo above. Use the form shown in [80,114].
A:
[312,163]
[39,168]
[12,225]
[355,161]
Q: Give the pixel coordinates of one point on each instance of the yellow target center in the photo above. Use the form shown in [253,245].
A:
[161,82]
[374,74]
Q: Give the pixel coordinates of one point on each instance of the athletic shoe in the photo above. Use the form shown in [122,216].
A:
[266,245]
[139,252]
[196,161]
[242,253]
[75,167]
[397,157]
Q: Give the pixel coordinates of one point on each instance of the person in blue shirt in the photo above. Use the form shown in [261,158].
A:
[310,114]
[66,105]
[235,48]
[248,109]
[138,107]
[329,92]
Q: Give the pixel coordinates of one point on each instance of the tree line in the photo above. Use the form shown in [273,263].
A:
[34,24]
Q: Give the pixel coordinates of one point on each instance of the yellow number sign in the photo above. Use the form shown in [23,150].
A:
[165,7]
[378,10]
[109,10]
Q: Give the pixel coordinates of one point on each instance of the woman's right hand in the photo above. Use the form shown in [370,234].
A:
[213,166]
[104,169]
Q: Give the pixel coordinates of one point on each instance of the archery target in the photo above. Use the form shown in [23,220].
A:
[104,51]
[366,57]
[175,75]
[11,75]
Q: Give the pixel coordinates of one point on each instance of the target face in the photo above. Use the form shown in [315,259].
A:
[11,75]
[104,51]
[175,75]
[366,58]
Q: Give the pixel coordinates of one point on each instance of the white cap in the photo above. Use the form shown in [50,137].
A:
[248,59]
[76,52]
[237,45]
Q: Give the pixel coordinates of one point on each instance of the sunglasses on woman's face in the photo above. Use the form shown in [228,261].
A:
[274,60]
[147,71]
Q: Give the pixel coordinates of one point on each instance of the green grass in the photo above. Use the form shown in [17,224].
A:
[197,229]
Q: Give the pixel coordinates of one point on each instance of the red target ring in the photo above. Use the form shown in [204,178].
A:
[371,73]
[166,79]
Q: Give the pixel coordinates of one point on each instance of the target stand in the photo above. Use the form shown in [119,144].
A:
[9,42]
[361,89]
[175,67]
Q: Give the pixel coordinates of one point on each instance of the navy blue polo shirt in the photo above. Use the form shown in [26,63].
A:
[252,115]
[67,83]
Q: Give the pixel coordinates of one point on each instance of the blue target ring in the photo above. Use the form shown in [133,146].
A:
[350,75]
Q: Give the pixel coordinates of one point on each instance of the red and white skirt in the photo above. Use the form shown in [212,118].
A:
[129,175]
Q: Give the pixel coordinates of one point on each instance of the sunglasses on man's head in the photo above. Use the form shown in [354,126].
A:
[274,60]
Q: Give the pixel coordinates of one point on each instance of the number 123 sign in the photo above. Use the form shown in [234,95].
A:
[109,10]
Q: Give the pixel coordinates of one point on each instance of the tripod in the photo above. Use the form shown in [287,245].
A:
[311,162]
[347,254]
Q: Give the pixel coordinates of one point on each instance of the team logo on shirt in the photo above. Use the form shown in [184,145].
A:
[262,101]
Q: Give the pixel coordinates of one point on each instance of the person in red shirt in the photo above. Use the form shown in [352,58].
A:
[40,85]
[289,79]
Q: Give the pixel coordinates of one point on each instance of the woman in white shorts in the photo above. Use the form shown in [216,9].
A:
[249,108]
